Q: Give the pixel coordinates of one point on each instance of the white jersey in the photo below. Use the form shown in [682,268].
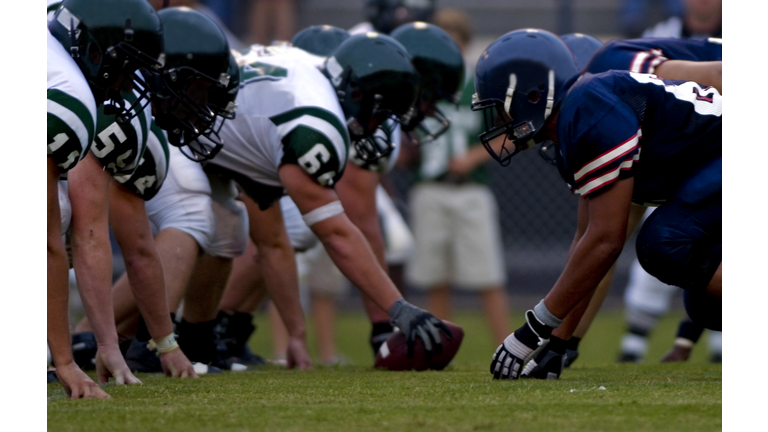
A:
[151,170]
[71,108]
[120,146]
[287,112]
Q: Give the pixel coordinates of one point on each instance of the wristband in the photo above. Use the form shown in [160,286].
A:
[164,345]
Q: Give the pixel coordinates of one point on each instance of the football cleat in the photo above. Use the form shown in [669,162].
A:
[140,358]
[84,349]
[233,332]
[52,378]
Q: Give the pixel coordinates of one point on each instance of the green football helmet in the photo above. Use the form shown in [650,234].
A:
[320,40]
[374,81]
[440,64]
[196,62]
[107,39]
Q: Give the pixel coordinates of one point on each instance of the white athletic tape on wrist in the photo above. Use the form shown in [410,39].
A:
[164,345]
[322,213]
[684,343]
[545,316]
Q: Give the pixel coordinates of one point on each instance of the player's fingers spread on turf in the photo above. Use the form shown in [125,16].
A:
[184,374]
[98,393]
[103,378]
[119,379]
[131,379]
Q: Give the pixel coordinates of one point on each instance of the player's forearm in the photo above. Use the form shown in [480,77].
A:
[278,265]
[145,275]
[130,225]
[587,264]
[352,254]
[58,306]
[92,259]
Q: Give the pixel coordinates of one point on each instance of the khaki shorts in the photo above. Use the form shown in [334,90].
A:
[319,274]
[457,237]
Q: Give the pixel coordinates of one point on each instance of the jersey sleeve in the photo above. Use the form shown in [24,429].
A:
[70,129]
[316,140]
[624,55]
[607,152]
[119,146]
[152,169]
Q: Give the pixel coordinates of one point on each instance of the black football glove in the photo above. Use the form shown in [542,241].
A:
[415,322]
[520,347]
[547,364]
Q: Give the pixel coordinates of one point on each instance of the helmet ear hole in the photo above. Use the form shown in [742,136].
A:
[534,96]
[94,53]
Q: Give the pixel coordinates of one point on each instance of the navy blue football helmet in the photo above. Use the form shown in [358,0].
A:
[519,81]
[582,46]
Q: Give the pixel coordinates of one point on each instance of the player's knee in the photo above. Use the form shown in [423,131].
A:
[676,259]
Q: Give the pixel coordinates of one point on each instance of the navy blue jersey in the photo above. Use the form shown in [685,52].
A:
[645,55]
[620,124]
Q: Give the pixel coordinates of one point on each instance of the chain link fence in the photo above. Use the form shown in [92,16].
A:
[537,215]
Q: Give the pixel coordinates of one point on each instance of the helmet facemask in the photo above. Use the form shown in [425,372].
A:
[441,123]
[365,115]
[103,66]
[181,104]
[520,116]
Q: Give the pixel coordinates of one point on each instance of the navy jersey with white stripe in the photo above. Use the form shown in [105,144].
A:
[621,124]
[645,55]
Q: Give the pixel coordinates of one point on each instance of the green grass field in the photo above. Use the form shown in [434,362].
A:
[646,397]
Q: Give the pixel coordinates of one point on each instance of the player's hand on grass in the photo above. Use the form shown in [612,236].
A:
[177,365]
[77,384]
[520,347]
[415,322]
[297,354]
[677,354]
[110,363]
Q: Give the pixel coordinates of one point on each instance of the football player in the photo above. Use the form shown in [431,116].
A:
[298,141]
[93,49]
[179,101]
[530,91]
[698,61]
[439,63]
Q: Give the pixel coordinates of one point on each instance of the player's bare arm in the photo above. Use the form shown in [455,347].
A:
[92,259]
[596,250]
[278,266]
[706,73]
[344,242]
[128,218]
